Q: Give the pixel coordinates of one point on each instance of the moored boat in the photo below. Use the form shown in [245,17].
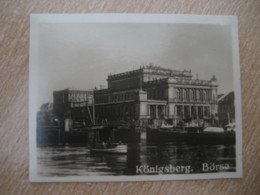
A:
[112,149]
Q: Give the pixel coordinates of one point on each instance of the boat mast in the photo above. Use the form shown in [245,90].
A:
[141,82]
[93,109]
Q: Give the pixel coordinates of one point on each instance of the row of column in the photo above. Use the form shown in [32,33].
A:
[156,110]
[193,94]
[196,109]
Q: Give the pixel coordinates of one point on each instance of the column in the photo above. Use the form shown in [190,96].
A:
[197,112]
[198,95]
[156,111]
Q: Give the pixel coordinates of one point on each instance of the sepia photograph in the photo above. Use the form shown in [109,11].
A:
[134,97]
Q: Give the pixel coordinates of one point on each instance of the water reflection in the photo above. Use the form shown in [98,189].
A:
[74,160]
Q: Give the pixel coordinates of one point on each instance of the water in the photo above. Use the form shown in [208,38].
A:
[76,160]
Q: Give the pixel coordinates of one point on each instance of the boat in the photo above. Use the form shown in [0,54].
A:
[230,127]
[111,149]
[166,126]
[208,136]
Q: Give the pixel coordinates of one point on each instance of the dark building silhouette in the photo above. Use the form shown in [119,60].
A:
[45,116]
[226,108]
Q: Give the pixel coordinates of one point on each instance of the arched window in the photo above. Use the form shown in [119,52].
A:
[207,95]
[178,93]
[194,94]
[188,94]
[200,95]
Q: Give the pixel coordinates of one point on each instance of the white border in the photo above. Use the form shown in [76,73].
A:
[36,19]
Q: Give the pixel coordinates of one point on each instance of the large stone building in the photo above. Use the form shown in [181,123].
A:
[156,93]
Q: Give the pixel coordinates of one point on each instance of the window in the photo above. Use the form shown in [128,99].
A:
[200,95]
[181,93]
[178,93]
[188,94]
[193,94]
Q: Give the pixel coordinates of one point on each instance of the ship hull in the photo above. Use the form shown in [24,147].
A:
[206,138]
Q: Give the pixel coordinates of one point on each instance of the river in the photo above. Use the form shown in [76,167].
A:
[77,160]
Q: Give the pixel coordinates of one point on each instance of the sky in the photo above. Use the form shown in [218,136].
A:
[82,55]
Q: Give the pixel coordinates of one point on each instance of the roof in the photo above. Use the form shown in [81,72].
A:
[225,95]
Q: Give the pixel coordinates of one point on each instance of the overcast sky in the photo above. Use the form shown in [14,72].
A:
[81,55]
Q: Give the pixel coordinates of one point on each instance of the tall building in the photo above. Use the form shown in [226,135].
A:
[153,92]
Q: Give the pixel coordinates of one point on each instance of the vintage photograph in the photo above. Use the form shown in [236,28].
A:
[134,97]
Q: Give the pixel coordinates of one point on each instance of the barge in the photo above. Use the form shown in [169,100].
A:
[207,136]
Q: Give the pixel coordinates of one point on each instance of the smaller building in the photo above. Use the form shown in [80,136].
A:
[45,116]
[73,104]
[226,108]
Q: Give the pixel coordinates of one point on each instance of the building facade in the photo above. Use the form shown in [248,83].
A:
[156,93]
